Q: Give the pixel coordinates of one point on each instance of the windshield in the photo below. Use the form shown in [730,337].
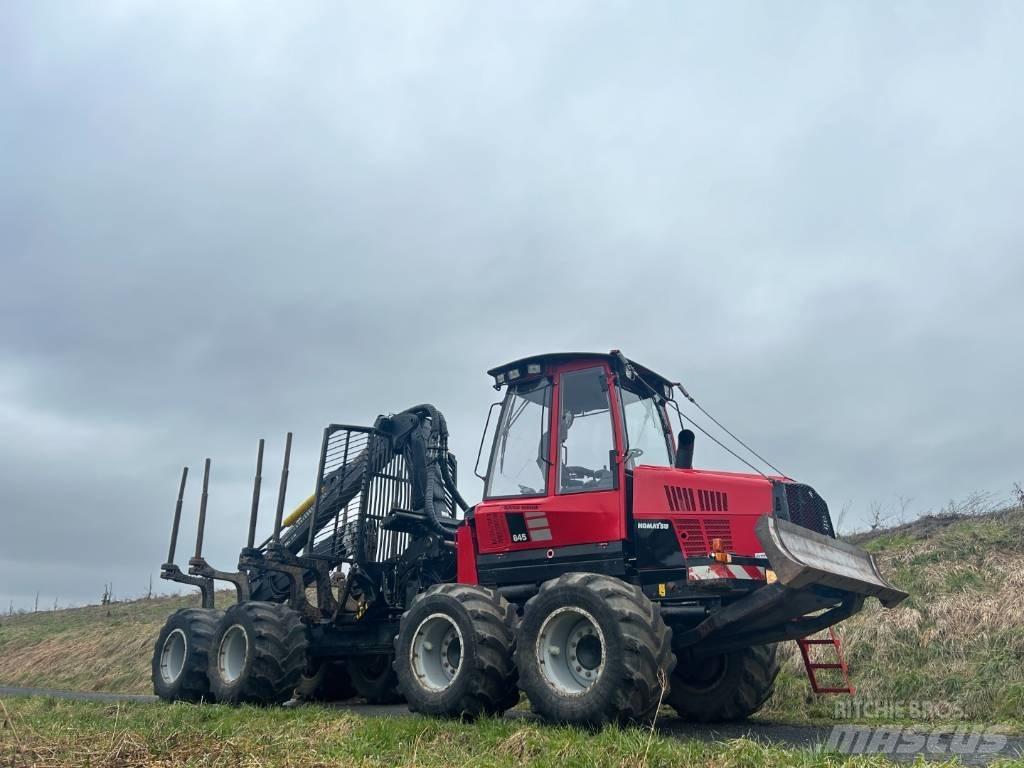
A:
[645,431]
[519,461]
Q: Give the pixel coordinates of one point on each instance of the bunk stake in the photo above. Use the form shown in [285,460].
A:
[255,496]
[177,517]
[282,489]
[202,510]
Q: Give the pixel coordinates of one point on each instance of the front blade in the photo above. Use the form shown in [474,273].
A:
[801,557]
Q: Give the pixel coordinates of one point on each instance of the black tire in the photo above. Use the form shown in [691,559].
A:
[325,681]
[631,662]
[181,654]
[374,678]
[480,677]
[731,686]
[258,655]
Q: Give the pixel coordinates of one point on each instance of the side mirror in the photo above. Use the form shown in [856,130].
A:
[684,453]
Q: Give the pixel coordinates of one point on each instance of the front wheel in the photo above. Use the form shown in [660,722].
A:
[593,649]
[729,686]
[453,653]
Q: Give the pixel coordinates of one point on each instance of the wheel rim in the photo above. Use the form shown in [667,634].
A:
[570,650]
[172,656]
[232,653]
[435,654]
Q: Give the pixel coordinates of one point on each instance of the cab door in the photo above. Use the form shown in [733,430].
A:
[587,506]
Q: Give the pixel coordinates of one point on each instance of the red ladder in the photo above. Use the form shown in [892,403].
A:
[811,666]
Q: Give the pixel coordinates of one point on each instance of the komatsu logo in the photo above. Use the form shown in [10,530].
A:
[652,525]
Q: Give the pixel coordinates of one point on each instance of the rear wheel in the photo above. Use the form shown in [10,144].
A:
[454,652]
[730,686]
[181,653]
[374,678]
[592,649]
[259,654]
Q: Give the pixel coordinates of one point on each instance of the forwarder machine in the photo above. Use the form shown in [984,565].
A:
[601,575]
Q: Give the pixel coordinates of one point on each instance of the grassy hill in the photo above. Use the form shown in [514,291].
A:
[953,650]
[956,645]
[95,648]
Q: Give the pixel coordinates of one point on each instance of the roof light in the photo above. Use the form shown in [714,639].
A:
[499,379]
[513,374]
[533,368]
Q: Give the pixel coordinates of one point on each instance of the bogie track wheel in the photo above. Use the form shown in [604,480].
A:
[181,653]
[454,652]
[373,678]
[259,654]
[726,687]
[593,649]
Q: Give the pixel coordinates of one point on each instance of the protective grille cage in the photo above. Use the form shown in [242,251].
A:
[361,482]
[808,509]
[358,469]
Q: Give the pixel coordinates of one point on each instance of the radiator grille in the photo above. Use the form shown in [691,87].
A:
[714,501]
[808,509]
[719,528]
[695,535]
[691,537]
[497,535]
[680,499]
[687,500]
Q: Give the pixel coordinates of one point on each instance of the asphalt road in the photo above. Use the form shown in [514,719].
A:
[807,736]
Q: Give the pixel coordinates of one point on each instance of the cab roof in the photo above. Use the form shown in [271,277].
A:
[544,361]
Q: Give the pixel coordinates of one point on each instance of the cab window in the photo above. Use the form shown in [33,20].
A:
[519,461]
[585,434]
[646,435]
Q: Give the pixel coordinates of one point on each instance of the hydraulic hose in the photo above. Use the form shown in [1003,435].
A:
[439,436]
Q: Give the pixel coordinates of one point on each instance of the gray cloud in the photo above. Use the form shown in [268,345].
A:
[222,222]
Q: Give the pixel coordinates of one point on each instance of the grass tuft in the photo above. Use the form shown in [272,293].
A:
[47,732]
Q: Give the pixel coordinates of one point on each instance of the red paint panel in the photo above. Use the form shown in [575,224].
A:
[703,506]
[465,556]
[576,518]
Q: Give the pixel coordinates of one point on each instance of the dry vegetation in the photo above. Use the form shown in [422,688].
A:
[957,643]
[45,732]
[96,648]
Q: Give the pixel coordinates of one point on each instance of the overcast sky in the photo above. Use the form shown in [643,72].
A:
[222,221]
